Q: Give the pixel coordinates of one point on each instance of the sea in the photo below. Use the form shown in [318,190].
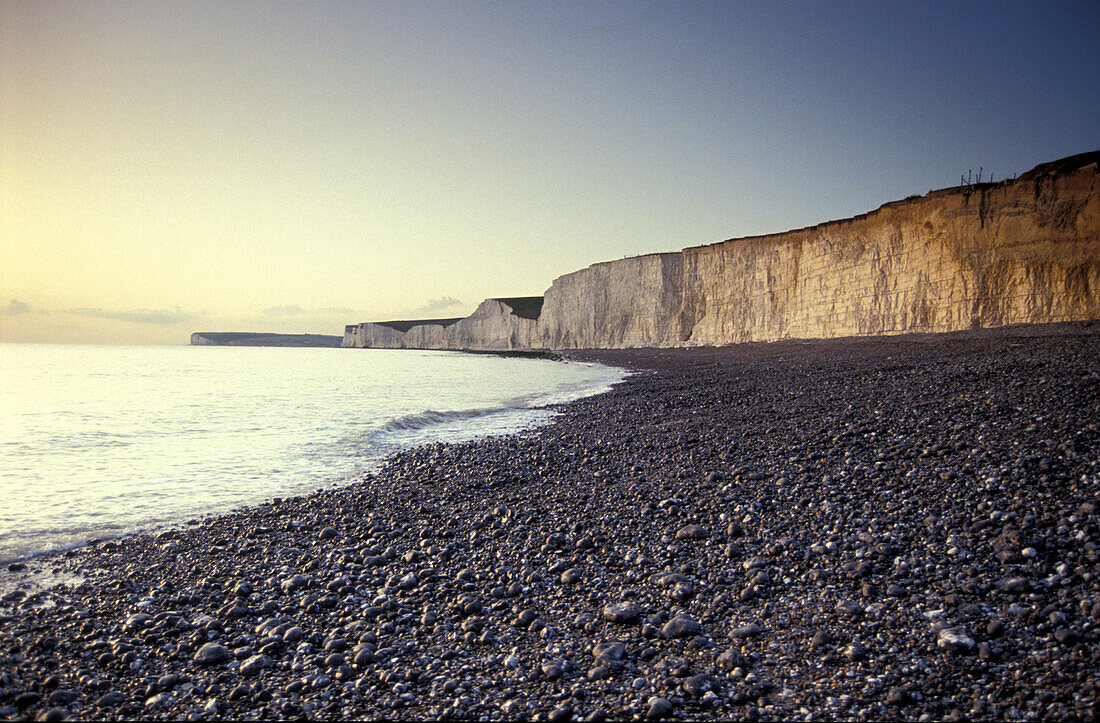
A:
[101,441]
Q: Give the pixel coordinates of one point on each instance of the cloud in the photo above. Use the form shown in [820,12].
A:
[16,307]
[434,305]
[292,310]
[159,317]
[295,310]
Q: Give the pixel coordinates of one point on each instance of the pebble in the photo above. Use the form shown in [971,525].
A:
[1066,636]
[136,622]
[253,665]
[855,651]
[212,654]
[744,632]
[526,617]
[110,700]
[659,708]
[1013,584]
[159,700]
[898,695]
[820,640]
[572,576]
[295,582]
[623,612]
[849,608]
[699,685]
[692,532]
[730,659]
[26,700]
[681,626]
[608,653]
[955,640]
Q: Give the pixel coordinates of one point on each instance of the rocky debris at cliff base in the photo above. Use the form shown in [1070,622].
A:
[873,498]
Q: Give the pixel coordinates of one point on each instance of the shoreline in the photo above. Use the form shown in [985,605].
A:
[344,439]
[854,528]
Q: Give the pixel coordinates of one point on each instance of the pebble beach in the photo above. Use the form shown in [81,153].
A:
[858,529]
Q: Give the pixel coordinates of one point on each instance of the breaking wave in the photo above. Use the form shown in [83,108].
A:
[523,407]
[432,418]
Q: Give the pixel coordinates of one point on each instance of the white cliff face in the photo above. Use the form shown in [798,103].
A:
[1026,251]
[426,336]
[627,303]
[491,326]
[372,336]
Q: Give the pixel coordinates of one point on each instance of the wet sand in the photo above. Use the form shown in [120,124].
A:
[898,528]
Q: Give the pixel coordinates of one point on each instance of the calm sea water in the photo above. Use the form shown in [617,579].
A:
[97,441]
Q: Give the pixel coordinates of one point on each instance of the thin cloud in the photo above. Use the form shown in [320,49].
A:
[434,305]
[157,317]
[292,310]
[16,307]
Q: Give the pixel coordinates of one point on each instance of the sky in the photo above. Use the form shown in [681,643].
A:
[169,167]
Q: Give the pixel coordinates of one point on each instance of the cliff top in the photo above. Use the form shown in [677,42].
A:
[404,326]
[525,307]
[1062,166]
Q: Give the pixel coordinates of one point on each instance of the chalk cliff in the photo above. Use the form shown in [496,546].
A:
[631,302]
[1021,251]
[508,323]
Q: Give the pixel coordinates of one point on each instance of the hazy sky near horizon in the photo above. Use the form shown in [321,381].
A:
[167,167]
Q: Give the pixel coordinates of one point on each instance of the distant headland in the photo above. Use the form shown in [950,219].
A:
[247,338]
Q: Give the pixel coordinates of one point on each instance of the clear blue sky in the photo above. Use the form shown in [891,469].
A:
[298,166]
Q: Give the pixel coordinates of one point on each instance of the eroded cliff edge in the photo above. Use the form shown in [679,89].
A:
[986,255]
